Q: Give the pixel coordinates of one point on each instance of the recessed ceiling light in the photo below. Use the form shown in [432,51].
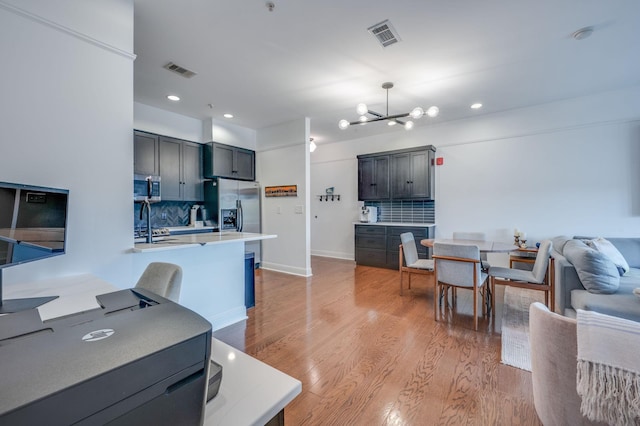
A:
[477,105]
[227,115]
[173,98]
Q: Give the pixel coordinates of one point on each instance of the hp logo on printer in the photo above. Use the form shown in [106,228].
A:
[94,336]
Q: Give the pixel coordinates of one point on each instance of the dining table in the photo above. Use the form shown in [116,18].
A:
[483,245]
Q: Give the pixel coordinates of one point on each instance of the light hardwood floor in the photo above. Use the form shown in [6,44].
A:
[367,356]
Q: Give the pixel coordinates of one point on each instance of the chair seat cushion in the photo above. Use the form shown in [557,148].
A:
[422,264]
[512,274]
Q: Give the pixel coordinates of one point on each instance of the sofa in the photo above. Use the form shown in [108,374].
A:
[616,298]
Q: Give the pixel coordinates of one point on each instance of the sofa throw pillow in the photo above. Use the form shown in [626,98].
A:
[559,242]
[607,248]
[596,271]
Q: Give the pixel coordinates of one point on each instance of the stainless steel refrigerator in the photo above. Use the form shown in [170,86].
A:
[235,206]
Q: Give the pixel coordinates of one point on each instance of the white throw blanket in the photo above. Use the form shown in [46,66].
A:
[608,378]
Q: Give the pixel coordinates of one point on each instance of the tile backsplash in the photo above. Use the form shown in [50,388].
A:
[164,214]
[405,211]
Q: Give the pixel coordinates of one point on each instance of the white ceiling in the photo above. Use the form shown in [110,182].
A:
[316,58]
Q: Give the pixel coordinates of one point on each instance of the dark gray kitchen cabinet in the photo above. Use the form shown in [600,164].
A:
[373,177]
[406,174]
[379,245]
[145,153]
[228,161]
[412,175]
[180,170]
[371,245]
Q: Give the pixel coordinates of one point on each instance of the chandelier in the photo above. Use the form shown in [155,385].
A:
[372,116]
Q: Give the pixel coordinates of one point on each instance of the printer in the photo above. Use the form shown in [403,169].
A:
[138,359]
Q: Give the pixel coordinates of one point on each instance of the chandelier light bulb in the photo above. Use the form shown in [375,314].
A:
[433,111]
[416,113]
[343,124]
[363,119]
[392,123]
[362,109]
[312,146]
[408,125]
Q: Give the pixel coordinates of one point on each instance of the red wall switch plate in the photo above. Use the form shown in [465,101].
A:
[439,161]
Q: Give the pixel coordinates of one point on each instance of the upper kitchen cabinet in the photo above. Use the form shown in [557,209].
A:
[180,170]
[412,175]
[373,177]
[406,174]
[145,153]
[228,161]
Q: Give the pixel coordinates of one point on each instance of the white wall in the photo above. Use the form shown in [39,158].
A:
[66,117]
[564,168]
[228,133]
[283,159]
[161,122]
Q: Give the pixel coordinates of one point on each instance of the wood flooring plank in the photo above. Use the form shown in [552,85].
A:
[366,355]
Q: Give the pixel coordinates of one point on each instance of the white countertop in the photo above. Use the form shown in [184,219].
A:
[251,392]
[417,225]
[174,242]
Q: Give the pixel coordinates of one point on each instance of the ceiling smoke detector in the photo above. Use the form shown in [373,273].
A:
[271,5]
[384,33]
[179,70]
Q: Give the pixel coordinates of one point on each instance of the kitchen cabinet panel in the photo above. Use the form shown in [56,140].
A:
[192,171]
[373,178]
[379,245]
[228,161]
[145,153]
[412,175]
[406,174]
[180,170]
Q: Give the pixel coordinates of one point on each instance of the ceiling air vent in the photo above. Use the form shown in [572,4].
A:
[385,33]
[179,70]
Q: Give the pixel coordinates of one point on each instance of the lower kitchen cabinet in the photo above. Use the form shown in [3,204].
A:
[378,245]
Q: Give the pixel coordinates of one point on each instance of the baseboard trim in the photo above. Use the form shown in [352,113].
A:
[333,254]
[302,272]
[226,318]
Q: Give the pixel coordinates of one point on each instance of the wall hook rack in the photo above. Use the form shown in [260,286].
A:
[332,197]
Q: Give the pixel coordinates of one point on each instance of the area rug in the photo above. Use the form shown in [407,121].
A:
[515,326]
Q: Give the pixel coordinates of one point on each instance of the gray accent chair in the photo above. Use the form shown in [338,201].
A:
[409,261]
[479,236]
[554,351]
[458,266]
[164,279]
[539,278]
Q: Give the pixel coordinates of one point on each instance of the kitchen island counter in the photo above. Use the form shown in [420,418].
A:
[174,242]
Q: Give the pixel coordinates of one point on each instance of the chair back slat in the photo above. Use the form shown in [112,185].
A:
[409,248]
[456,272]
[542,261]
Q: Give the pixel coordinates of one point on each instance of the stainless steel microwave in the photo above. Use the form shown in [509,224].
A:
[145,188]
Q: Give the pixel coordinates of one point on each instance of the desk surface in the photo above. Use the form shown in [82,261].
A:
[251,392]
[484,246]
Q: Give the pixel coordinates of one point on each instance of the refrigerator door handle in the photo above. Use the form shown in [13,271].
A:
[240,218]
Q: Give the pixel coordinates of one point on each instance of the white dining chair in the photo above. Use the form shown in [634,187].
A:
[477,236]
[458,266]
[540,278]
[410,262]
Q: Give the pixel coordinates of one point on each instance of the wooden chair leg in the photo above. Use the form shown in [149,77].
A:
[475,307]
[492,282]
[435,299]
[409,281]
[401,276]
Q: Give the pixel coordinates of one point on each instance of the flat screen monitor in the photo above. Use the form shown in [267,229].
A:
[33,225]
